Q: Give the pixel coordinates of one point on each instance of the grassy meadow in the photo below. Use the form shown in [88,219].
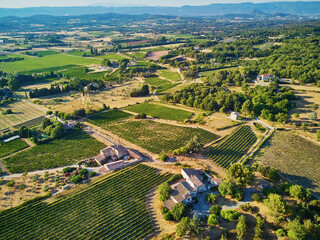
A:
[173,76]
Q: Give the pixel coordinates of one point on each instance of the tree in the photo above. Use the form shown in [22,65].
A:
[195,224]
[276,203]
[211,198]
[240,174]
[194,145]
[164,191]
[241,227]
[57,131]
[246,108]
[299,192]
[46,122]
[256,197]
[13,83]
[183,226]
[11,183]
[76,179]
[230,214]
[226,188]
[213,220]
[179,211]
[297,231]
[215,209]
[258,228]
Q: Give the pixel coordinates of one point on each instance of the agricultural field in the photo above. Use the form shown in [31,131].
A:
[160,111]
[137,55]
[56,153]
[112,56]
[157,137]
[45,62]
[210,72]
[120,214]
[161,84]
[23,111]
[173,76]
[81,74]
[107,117]
[232,149]
[297,158]
[48,70]
[43,53]
[12,147]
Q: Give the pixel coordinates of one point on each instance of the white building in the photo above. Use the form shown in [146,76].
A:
[265,77]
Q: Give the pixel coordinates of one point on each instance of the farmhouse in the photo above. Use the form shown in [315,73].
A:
[265,77]
[194,179]
[111,166]
[116,152]
[234,115]
[263,184]
[71,124]
[182,192]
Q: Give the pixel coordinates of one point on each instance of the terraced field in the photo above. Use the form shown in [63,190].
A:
[22,111]
[112,208]
[231,149]
[157,137]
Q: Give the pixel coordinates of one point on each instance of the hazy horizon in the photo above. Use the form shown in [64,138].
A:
[65,3]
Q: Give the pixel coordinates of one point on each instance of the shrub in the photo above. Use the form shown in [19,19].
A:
[213,220]
[212,198]
[68,169]
[76,179]
[83,172]
[45,188]
[21,187]
[256,197]
[281,233]
[46,176]
[230,215]
[168,216]
[299,192]
[215,209]
[246,207]
[92,174]
[164,191]
[276,203]
[140,116]
[174,178]
[179,211]
[11,183]
[35,178]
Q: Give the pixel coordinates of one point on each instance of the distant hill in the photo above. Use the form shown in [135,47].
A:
[292,8]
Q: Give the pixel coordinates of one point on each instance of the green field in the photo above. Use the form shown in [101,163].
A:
[107,117]
[112,56]
[50,61]
[44,53]
[137,55]
[22,111]
[155,81]
[232,149]
[157,137]
[297,158]
[161,84]
[48,70]
[56,153]
[112,208]
[209,73]
[173,76]
[160,111]
[12,147]
[81,74]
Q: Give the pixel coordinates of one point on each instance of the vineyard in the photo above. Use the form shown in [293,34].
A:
[160,111]
[232,148]
[157,137]
[12,147]
[112,208]
[104,118]
[64,151]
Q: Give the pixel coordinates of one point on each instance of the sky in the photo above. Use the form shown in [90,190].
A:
[39,3]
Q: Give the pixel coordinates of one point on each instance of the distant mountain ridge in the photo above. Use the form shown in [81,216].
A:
[293,8]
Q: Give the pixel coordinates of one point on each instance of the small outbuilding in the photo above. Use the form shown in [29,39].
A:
[234,115]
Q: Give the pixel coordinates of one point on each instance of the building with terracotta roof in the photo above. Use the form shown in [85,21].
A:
[182,192]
